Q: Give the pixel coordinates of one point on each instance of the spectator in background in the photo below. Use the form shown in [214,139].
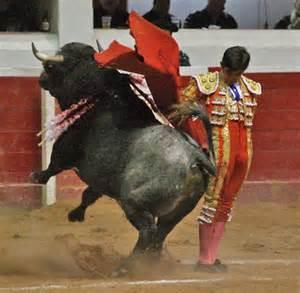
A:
[110,8]
[290,21]
[283,23]
[212,15]
[18,16]
[160,16]
[184,59]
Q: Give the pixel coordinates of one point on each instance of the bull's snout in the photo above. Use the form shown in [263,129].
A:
[44,80]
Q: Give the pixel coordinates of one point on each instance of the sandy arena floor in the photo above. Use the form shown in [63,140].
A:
[40,251]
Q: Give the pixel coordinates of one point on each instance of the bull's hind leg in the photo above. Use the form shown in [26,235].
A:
[89,196]
[144,222]
[195,186]
[166,223]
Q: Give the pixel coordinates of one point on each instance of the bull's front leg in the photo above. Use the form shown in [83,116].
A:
[64,156]
[89,196]
[42,177]
[57,164]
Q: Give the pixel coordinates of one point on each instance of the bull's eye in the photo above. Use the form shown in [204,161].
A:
[48,66]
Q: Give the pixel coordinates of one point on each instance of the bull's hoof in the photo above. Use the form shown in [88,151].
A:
[76,215]
[38,178]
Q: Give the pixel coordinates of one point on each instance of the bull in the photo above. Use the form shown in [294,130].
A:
[156,173]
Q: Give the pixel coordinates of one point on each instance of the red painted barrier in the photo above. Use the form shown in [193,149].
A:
[276,137]
[69,185]
[276,133]
[20,114]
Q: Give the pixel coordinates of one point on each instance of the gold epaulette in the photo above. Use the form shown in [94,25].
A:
[252,86]
[208,83]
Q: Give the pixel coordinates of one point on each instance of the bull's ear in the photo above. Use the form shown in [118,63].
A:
[87,52]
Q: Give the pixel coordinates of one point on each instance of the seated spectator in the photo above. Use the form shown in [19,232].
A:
[283,23]
[291,21]
[18,16]
[212,15]
[110,8]
[184,59]
[160,16]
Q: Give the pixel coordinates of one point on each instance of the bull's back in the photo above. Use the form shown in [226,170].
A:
[157,154]
[160,168]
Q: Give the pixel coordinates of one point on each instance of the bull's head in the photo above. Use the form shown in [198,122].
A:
[57,67]
[71,73]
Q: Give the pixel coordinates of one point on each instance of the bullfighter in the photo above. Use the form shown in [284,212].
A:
[231,100]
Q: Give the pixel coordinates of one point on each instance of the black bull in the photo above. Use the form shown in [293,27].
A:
[156,173]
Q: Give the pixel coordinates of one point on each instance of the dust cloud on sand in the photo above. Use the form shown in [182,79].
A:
[42,247]
[43,243]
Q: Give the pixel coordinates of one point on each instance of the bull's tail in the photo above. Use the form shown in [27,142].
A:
[183,111]
[204,163]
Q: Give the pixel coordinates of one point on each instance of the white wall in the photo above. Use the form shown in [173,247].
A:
[248,13]
[75,21]
[271,50]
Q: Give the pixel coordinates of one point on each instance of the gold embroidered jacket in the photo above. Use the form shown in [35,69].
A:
[220,105]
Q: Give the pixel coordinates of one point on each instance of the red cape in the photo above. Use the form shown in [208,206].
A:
[159,62]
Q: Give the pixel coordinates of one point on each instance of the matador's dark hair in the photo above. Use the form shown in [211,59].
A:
[236,58]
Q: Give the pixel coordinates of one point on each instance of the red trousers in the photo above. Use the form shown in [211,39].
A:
[233,150]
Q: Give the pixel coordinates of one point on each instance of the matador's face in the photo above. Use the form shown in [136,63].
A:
[231,77]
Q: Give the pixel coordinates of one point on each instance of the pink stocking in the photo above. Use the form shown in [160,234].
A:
[210,236]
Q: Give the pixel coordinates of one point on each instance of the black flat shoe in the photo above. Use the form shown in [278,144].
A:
[221,265]
[217,267]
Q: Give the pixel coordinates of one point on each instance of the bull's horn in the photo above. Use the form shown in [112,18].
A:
[100,49]
[45,57]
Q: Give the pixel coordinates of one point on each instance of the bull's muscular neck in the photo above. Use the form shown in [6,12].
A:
[118,109]
[130,111]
